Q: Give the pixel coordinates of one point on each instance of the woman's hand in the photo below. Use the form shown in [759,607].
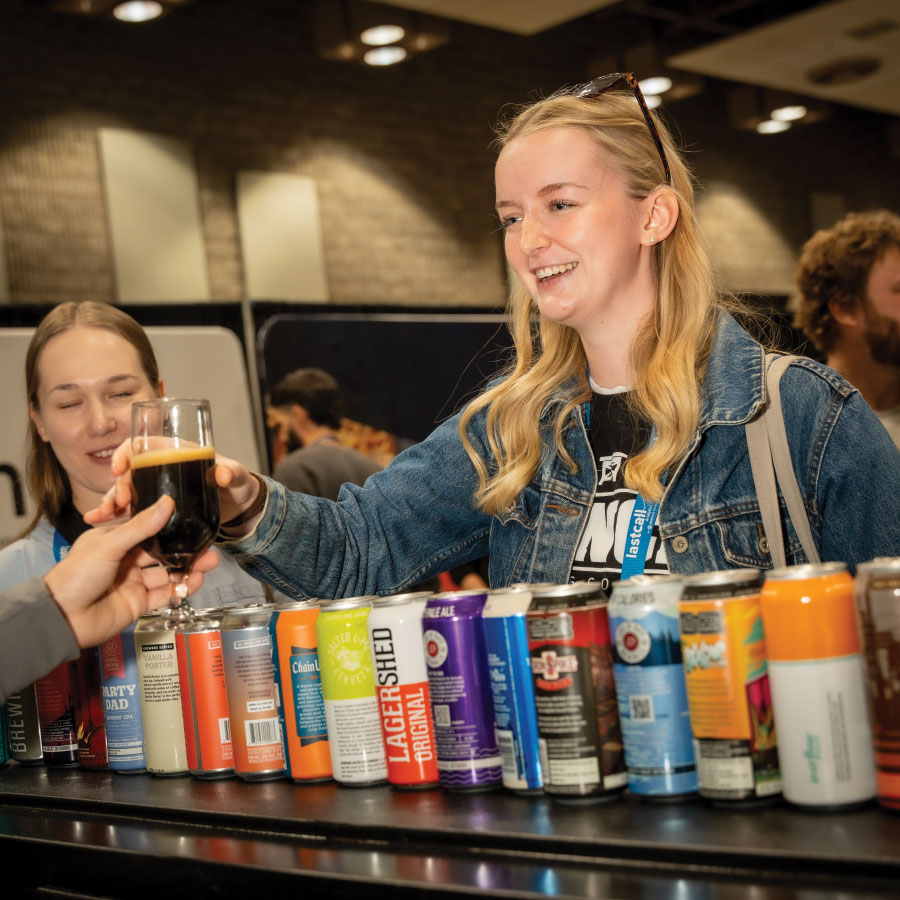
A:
[105,582]
[237,488]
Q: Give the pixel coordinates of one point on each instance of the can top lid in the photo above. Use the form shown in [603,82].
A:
[286,605]
[252,614]
[347,603]
[567,596]
[458,595]
[401,599]
[880,564]
[805,570]
[575,589]
[723,577]
[643,580]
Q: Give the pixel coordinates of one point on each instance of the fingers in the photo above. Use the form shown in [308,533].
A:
[121,459]
[224,475]
[121,538]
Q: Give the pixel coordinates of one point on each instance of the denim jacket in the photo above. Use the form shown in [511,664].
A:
[416,518]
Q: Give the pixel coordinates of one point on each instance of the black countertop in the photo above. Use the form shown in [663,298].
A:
[102,834]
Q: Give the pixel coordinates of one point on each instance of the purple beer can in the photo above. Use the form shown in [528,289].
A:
[455,651]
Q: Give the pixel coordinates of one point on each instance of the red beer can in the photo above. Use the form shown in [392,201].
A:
[204,701]
[90,725]
[55,700]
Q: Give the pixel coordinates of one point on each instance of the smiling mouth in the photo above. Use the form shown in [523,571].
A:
[103,454]
[550,271]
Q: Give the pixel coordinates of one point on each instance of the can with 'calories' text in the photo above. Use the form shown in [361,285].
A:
[252,696]
[575,693]
[819,689]
[299,681]
[723,649]
[348,686]
[401,683]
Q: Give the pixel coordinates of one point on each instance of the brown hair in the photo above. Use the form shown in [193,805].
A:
[47,480]
[835,265]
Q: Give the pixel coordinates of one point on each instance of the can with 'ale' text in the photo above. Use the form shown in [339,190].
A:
[348,686]
[299,682]
[204,701]
[819,689]
[401,683]
[455,652]
[575,693]
[122,703]
[723,647]
[165,751]
[877,589]
[253,698]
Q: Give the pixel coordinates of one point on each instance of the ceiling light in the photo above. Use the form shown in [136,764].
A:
[770,126]
[653,100]
[788,113]
[384,56]
[659,84]
[380,35]
[138,11]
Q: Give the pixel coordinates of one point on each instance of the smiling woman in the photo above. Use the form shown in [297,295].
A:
[85,366]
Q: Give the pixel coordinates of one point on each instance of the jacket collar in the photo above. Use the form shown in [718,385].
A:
[734,384]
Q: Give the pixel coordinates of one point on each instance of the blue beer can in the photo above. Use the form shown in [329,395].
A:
[453,635]
[120,689]
[512,688]
[650,686]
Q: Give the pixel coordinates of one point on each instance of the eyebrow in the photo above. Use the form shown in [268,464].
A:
[114,379]
[546,189]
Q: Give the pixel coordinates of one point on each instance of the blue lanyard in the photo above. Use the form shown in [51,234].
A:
[640,526]
[60,546]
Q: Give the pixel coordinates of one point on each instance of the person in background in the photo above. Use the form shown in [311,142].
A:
[621,423]
[849,306]
[308,403]
[85,365]
[103,583]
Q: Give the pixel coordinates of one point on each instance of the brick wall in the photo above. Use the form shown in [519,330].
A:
[401,155]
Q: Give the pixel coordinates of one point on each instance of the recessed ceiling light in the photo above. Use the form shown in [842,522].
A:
[653,100]
[659,84]
[788,113]
[138,11]
[382,34]
[384,56]
[770,126]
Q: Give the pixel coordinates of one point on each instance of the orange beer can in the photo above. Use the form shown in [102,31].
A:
[724,656]
[297,677]
[204,701]
[877,589]
[819,693]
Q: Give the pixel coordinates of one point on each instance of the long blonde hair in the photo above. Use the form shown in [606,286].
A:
[47,480]
[668,355]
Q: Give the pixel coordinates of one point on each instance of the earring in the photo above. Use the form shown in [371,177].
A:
[652,240]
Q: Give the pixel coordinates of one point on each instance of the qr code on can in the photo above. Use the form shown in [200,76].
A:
[642,708]
[442,716]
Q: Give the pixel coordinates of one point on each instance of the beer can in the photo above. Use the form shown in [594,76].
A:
[650,686]
[159,686]
[819,691]
[877,589]
[299,682]
[723,648]
[401,684]
[55,698]
[4,743]
[512,688]
[90,727]
[575,692]
[455,653]
[24,727]
[204,701]
[119,685]
[348,688]
[253,700]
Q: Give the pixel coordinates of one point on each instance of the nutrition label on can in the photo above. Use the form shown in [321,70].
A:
[357,746]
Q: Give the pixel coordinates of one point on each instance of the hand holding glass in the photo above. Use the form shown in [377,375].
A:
[173,453]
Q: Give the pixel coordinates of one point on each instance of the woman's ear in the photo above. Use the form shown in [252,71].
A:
[38,422]
[161,388]
[661,216]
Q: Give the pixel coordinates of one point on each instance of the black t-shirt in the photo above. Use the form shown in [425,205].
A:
[616,434]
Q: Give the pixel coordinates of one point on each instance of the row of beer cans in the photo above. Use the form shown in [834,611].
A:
[672,686]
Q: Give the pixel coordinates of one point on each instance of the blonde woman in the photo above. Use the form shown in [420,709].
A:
[620,425]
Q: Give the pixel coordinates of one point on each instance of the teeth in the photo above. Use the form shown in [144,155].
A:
[102,454]
[554,270]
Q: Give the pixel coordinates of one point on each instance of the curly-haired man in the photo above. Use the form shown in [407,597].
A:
[849,307]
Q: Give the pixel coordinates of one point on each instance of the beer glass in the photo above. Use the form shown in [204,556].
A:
[172,453]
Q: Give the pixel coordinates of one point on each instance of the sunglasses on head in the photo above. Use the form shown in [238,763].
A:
[605,83]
